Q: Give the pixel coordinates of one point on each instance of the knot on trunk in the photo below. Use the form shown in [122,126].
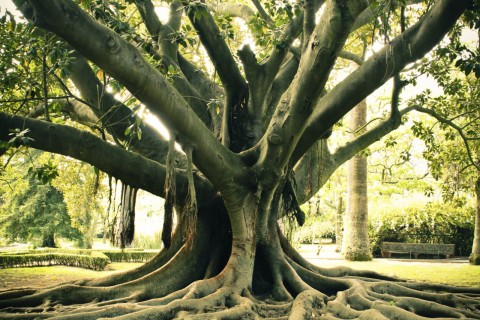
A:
[113,46]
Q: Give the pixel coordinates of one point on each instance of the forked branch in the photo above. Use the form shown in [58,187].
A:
[125,63]
[406,48]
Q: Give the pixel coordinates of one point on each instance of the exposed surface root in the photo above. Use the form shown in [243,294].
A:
[283,286]
[219,298]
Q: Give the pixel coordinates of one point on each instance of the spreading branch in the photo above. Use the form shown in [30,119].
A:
[125,63]
[409,46]
[298,101]
[168,55]
[217,48]
[107,157]
[454,126]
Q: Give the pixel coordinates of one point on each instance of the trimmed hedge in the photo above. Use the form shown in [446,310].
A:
[129,255]
[83,258]
[89,259]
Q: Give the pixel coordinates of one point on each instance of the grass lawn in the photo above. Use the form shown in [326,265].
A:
[452,272]
[46,276]
[436,270]
[456,273]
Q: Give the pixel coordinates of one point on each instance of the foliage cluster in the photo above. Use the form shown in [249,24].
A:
[146,241]
[317,226]
[433,223]
[53,200]
[35,212]
[134,255]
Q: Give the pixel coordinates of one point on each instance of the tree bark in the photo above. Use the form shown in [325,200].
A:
[475,255]
[356,244]
[48,240]
[339,229]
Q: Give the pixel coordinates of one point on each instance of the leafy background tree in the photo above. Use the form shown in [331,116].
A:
[33,210]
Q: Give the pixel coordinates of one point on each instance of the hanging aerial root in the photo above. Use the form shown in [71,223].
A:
[190,210]
[169,194]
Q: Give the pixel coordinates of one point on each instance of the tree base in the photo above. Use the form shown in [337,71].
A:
[474,259]
[357,256]
[284,286]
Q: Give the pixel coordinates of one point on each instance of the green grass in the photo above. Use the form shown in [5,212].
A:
[67,271]
[46,276]
[457,273]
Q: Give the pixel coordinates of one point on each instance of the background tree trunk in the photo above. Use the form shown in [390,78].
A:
[49,240]
[339,225]
[475,256]
[356,245]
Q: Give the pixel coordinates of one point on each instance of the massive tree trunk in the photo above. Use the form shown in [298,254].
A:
[356,244]
[231,261]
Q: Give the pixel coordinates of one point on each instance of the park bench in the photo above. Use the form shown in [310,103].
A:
[448,250]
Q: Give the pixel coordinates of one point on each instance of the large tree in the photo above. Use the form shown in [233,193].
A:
[249,132]
[33,210]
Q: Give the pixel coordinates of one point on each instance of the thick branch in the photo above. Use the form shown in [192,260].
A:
[263,14]
[344,153]
[309,20]
[411,45]
[233,82]
[368,15]
[130,168]
[237,10]
[322,164]
[149,17]
[217,49]
[114,115]
[297,102]
[351,56]
[77,111]
[168,55]
[124,62]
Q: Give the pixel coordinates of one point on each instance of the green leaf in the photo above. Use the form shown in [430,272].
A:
[128,130]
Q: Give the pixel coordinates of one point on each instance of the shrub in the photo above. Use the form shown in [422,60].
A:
[33,258]
[146,241]
[434,223]
[129,255]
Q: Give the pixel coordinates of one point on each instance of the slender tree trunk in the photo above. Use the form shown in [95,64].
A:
[49,240]
[356,245]
[90,235]
[475,256]
[339,225]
